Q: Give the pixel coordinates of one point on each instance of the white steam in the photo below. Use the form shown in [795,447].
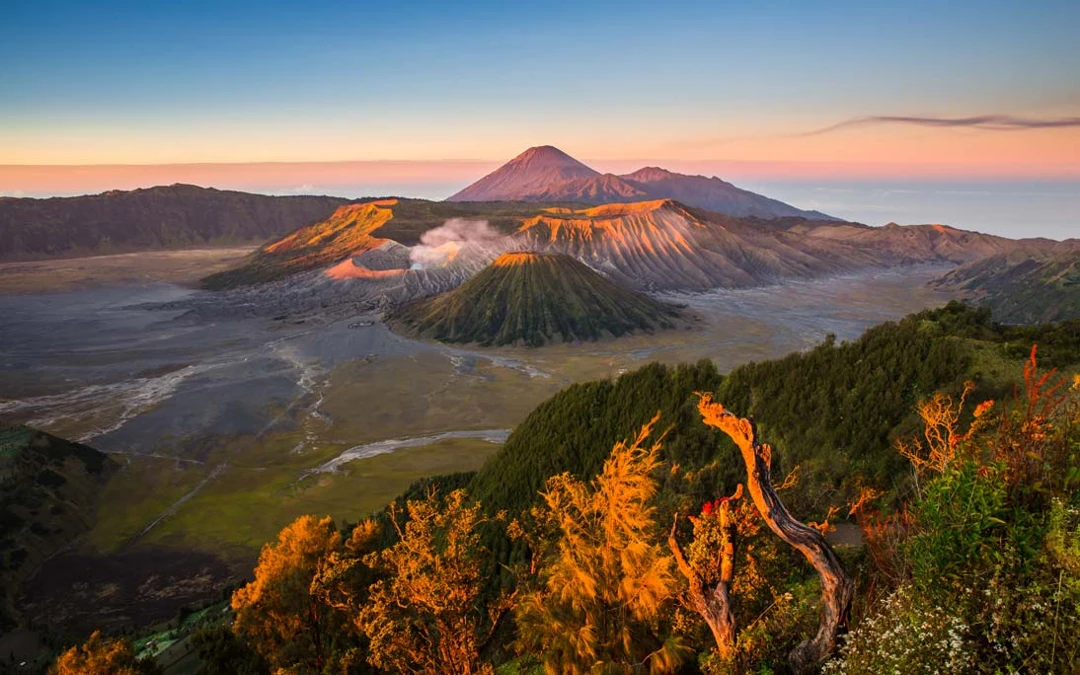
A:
[440,245]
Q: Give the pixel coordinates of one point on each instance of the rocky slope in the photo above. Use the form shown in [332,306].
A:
[177,216]
[1020,287]
[662,245]
[532,299]
[547,174]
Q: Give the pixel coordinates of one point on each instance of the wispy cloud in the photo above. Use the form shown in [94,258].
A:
[988,122]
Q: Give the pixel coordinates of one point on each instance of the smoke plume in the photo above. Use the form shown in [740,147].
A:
[440,245]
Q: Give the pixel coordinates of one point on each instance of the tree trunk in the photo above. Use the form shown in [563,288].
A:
[714,605]
[836,588]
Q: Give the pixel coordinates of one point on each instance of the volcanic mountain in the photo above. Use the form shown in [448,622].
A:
[523,177]
[532,299]
[547,174]
[663,245]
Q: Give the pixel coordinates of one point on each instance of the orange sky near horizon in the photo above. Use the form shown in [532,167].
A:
[879,151]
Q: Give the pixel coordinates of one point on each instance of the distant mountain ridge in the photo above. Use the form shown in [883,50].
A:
[547,174]
[166,217]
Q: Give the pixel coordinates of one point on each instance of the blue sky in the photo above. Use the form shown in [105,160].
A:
[228,81]
[714,85]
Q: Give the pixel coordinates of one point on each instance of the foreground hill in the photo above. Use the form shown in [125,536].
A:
[177,216]
[48,490]
[532,299]
[547,174]
[1021,288]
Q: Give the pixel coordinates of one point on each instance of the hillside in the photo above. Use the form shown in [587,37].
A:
[172,217]
[533,299]
[48,491]
[547,174]
[1021,288]
[834,411]
[912,244]
[663,245]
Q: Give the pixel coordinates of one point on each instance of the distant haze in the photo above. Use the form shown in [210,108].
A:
[1012,207]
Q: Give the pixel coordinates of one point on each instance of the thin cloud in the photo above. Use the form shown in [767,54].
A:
[987,122]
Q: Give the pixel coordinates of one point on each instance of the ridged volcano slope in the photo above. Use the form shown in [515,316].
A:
[663,245]
[533,299]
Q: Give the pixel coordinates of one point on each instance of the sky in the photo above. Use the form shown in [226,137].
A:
[426,97]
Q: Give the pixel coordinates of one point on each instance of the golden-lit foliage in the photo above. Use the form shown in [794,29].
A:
[1026,430]
[98,656]
[427,616]
[1031,444]
[278,612]
[604,583]
[938,447]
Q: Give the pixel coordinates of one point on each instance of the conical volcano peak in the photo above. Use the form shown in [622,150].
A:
[547,155]
[517,258]
[526,175]
[534,299]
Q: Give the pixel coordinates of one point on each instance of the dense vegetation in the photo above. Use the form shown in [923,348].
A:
[48,489]
[173,217]
[1022,288]
[959,462]
[533,299]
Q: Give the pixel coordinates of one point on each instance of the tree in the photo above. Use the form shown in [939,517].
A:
[221,652]
[603,582]
[102,656]
[837,588]
[278,613]
[710,570]
[427,614]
